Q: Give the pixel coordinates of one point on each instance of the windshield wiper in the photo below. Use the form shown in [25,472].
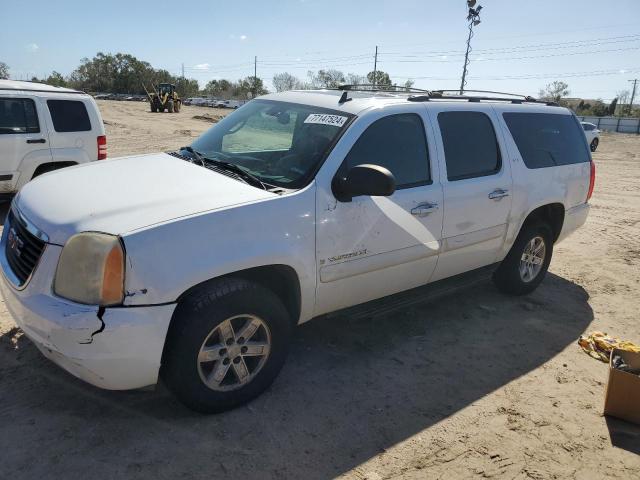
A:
[197,155]
[231,167]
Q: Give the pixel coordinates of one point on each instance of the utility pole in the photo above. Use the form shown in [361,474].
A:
[633,94]
[375,67]
[183,71]
[255,76]
[474,20]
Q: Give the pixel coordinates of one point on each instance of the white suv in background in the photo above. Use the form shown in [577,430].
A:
[592,132]
[197,264]
[44,128]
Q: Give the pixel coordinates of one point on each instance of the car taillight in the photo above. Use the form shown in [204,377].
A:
[102,147]
[592,180]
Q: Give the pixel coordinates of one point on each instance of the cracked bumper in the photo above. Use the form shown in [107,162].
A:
[125,355]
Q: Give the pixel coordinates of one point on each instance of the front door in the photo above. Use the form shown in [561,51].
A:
[371,247]
[477,187]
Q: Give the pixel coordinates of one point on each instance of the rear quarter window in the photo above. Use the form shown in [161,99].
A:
[69,116]
[547,139]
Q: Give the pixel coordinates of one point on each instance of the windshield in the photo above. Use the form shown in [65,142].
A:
[280,143]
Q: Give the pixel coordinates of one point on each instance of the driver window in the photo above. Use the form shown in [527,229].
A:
[398,143]
[271,130]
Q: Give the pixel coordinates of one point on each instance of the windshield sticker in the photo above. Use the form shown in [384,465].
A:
[324,119]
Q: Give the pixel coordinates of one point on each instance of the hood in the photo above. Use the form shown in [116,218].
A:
[128,193]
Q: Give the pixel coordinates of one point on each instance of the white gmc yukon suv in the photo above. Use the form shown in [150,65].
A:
[196,265]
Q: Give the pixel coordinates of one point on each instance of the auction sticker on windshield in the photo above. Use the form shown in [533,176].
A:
[325,119]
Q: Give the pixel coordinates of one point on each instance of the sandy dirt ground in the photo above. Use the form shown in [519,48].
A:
[477,384]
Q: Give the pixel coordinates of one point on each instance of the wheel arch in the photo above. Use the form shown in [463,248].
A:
[280,279]
[550,213]
[51,166]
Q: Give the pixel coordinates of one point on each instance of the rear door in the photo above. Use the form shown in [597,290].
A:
[73,133]
[23,137]
[477,187]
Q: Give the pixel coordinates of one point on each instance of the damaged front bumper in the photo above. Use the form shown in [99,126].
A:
[112,348]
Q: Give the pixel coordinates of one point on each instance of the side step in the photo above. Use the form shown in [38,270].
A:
[416,296]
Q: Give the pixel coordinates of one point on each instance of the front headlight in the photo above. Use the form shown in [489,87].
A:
[91,270]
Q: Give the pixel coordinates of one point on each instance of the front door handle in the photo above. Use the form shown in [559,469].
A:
[498,193]
[36,140]
[424,209]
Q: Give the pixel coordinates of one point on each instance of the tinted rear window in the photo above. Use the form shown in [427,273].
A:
[547,140]
[69,116]
[470,145]
[18,115]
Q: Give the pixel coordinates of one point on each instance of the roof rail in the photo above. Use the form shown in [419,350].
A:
[370,87]
[427,95]
[440,95]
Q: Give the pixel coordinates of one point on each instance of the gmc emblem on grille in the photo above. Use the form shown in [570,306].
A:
[15,242]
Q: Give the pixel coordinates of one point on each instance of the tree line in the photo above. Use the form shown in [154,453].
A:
[124,73]
[559,92]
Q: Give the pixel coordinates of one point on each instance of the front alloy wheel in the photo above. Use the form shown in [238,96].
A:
[226,344]
[234,352]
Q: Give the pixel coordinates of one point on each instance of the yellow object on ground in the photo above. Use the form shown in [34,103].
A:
[599,345]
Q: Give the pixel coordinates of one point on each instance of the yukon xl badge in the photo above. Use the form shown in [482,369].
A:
[346,256]
[14,242]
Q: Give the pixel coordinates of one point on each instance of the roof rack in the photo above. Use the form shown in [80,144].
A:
[427,95]
[444,95]
[370,87]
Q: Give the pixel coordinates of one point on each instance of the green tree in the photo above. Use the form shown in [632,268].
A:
[187,87]
[56,79]
[285,81]
[4,71]
[554,91]
[250,87]
[611,110]
[326,78]
[379,78]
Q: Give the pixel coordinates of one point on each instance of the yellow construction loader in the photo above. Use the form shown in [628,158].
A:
[164,98]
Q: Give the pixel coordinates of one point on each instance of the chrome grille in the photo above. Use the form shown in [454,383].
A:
[22,249]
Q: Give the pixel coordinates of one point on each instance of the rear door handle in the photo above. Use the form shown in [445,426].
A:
[424,209]
[36,140]
[498,193]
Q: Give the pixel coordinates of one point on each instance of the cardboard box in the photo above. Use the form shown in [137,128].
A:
[622,399]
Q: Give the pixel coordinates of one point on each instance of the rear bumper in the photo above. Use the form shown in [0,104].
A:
[116,349]
[574,218]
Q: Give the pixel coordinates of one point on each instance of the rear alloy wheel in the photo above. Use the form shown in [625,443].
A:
[526,264]
[532,259]
[594,144]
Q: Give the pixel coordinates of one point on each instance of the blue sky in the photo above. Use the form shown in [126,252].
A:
[520,46]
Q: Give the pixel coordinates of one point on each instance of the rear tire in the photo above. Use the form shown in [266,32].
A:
[170,106]
[594,144]
[526,264]
[200,345]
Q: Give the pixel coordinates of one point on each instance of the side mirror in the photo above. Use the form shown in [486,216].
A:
[366,179]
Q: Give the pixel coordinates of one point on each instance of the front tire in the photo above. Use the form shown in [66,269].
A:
[594,144]
[226,345]
[526,264]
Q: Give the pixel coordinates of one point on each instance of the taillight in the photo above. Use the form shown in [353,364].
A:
[102,147]
[592,180]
